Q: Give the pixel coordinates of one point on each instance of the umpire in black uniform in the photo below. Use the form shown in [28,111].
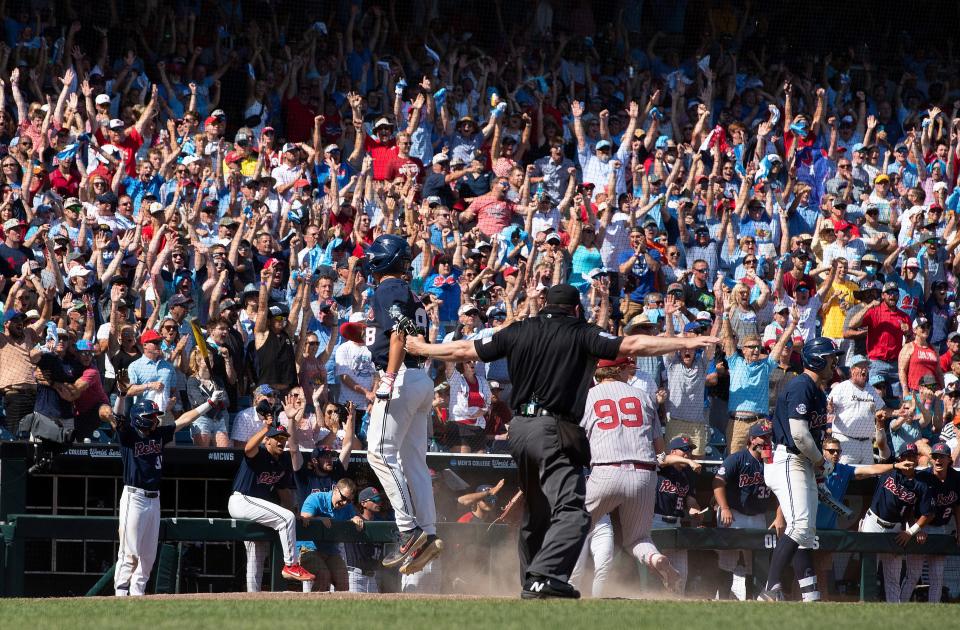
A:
[551,359]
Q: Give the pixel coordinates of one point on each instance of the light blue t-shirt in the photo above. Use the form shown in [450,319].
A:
[749,384]
[320,504]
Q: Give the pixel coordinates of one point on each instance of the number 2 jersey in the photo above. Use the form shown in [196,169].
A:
[941,498]
[621,423]
[390,292]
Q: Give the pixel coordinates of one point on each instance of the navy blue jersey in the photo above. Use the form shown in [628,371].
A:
[896,496]
[143,457]
[260,474]
[941,497]
[803,400]
[390,292]
[742,474]
[673,487]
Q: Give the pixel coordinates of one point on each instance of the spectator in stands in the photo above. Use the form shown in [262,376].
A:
[886,326]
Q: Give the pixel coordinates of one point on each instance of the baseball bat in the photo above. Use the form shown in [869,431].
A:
[826,497]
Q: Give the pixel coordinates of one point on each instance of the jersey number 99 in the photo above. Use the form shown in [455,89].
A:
[613,413]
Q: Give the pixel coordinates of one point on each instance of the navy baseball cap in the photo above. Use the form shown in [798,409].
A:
[760,429]
[369,494]
[321,452]
[907,449]
[941,448]
[277,431]
[264,390]
[681,443]
[490,500]
[695,326]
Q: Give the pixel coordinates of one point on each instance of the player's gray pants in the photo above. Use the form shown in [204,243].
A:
[397,450]
[360,583]
[792,479]
[891,563]
[599,544]
[677,557]
[272,515]
[139,531]
[935,566]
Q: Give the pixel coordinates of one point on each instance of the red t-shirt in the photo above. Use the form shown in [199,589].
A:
[884,332]
[408,167]
[790,283]
[299,120]
[128,146]
[382,154]
[492,214]
[945,360]
[66,185]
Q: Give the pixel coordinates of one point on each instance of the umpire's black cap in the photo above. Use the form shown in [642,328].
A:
[563,294]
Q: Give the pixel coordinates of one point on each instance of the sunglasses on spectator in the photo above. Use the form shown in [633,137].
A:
[832,451]
[752,347]
[752,261]
[699,270]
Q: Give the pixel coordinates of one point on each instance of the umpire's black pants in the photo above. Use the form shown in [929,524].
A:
[550,456]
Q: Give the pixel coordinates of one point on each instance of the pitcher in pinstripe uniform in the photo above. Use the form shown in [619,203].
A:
[624,430]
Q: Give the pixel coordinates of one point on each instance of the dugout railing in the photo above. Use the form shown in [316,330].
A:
[194,504]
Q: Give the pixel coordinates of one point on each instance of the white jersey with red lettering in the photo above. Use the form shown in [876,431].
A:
[621,423]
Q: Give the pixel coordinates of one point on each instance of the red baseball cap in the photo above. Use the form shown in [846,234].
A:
[149,335]
[605,363]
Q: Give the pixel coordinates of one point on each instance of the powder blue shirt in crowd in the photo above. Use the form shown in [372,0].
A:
[320,504]
[144,370]
[837,482]
[749,384]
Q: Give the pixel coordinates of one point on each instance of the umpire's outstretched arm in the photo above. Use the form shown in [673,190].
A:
[641,346]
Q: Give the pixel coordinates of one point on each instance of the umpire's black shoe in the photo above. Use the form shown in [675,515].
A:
[410,541]
[539,587]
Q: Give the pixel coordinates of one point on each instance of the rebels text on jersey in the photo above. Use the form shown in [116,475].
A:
[260,474]
[941,498]
[143,457]
[390,292]
[742,474]
[896,496]
[673,487]
[621,423]
[801,400]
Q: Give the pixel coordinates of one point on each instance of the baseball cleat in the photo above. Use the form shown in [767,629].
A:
[668,574]
[419,558]
[296,572]
[410,541]
[548,588]
[770,596]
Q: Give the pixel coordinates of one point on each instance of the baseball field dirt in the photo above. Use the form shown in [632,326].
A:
[289,611]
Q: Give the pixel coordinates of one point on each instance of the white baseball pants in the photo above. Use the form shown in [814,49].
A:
[677,557]
[890,563]
[633,492]
[397,450]
[855,451]
[139,533]
[792,479]
[599,544]
[729,559]
[360,583]
[935,566]
[267,513]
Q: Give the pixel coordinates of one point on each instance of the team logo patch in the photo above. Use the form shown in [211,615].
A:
[801,408]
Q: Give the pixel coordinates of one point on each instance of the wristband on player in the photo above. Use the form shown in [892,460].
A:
[913,529]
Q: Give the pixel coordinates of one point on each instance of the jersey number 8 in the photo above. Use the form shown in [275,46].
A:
[613,413]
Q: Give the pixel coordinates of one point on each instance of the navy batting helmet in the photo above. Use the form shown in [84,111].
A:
[143,415]
[388,253]
[815,353]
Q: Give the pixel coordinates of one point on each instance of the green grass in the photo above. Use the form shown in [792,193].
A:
[318,613]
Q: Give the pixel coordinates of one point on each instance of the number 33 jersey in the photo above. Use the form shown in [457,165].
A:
[621,423]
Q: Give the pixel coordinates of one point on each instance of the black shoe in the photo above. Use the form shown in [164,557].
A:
[410,541]
[545,588]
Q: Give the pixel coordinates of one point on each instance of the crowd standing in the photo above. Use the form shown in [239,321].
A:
[187,197]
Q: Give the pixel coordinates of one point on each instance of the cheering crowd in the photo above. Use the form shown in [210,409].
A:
[187,196]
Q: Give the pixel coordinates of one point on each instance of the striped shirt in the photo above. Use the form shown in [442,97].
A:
[616,240]
[621,423]
[597,171]
[685,386]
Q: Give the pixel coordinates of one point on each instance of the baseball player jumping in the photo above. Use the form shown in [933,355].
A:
[141,449]
[799,422]
[397,434]
[624,430]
